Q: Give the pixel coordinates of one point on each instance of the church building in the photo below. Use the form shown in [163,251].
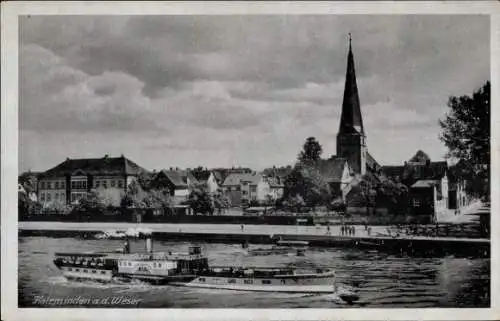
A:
[352,153]
[352,149]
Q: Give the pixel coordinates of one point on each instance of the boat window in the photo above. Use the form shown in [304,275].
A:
[266,281]
[94,271]
[231,281]
[70,269]
[201,279]
[248,281]
[103,272]
[86,271]
[77,270]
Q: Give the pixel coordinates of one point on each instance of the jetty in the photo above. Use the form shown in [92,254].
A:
[315,236]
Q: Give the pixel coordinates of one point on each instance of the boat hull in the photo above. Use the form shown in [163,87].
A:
[261,288]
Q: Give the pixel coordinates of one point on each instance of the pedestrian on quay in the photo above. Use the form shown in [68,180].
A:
[242,227]
[328,229]
[342,230]
[369,231]
[353,230]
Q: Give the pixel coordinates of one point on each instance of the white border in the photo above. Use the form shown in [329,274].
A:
[9,153]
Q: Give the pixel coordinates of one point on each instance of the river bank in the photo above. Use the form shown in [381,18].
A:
[378,238]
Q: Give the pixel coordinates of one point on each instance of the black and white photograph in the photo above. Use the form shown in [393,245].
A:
[263,161]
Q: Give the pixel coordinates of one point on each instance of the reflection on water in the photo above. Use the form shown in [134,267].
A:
[382,280]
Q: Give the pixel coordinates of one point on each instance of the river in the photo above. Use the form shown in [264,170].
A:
[382,280]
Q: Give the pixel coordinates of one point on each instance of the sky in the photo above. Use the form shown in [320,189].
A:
[222,91]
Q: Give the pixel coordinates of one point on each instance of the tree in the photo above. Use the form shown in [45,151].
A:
[306,181]
[200,200]
[221,201]
[295,203]
[311,151]
[466,134]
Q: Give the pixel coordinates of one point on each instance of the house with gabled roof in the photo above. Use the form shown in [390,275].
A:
[208,179]
[243,188]
[178,182]
[73,179]
[427,181]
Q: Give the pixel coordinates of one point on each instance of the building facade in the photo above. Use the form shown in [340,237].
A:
[242,189]
[73,179]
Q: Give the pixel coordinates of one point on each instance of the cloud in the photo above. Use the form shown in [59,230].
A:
[242,88]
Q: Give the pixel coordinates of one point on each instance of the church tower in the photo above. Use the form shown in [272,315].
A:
[351,140]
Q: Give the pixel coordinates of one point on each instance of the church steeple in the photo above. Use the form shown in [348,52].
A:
[351,112]
[351,143]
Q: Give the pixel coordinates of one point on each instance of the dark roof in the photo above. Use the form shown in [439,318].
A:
[331,169]
[179,178]
[351,119]
[371,162]
[95,166]
[201,176]
[236,179]
[429,171]
[277,171]
[393,171]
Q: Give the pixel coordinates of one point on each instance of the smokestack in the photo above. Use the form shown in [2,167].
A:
[149,245]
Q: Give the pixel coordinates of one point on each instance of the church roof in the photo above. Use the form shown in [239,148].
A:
[351,110]
[331,169]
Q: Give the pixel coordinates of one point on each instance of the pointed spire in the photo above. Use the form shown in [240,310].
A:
[351,110]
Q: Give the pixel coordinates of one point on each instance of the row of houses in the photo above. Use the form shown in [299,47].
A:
[433,186]
[72,180]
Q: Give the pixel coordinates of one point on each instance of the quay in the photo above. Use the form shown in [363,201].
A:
[316,236]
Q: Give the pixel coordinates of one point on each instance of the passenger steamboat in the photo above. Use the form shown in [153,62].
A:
[192,270]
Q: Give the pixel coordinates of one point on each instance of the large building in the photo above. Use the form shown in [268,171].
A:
[73,179]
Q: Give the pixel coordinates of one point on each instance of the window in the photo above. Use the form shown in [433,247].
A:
[113,183]
[104,184]
[56,196]
[103,272]
[248,281]
[42,197]
[70,269]
[120,184]
[85,270]
[77,270]
[63,184]
[201,279]
[49,185]
[416,202]
[94,271]
[57,185]
[253,189]
[231,281]
[244,192]
[48,197]
[266,281]
[42,185]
